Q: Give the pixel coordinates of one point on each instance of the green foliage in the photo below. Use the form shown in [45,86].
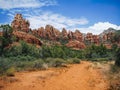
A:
[96,51]
[99,59]
[55,62]
[114,78]
[6,39]
[38,64]
[10,71]
[116,37]
[114,47]
[60,52]
[23,49]
[73,61]
[76,60]
[117,54]
[5,64]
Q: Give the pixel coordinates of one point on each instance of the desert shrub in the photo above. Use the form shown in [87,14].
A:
[58,62]
[6,38]
[76,60]
[114,69]
[114,77]
[94,52]
[99,59]
[13,51]
[23,49]
[38,64]
[55,62]
[5,64]
[10,71]
[29,49]
[73,61]
[117,55]
[60,52]
[22,58]
[24,64]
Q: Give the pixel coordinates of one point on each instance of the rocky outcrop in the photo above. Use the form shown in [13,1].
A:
[22,31]
[26,37]
[64,34]
[75,39]
[92,39]
[77,35]
[107,37]
[49,33]
[20,24]
[1,33]
[76,44]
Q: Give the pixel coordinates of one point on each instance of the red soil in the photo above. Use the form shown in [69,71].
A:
[76,77]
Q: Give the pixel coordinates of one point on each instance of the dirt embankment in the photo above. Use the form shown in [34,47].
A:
[76,77]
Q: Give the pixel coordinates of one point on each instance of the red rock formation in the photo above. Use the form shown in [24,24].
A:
[76,39]
[93,39]
[77,35]
[64,34]
[26,37]
[89,37]
[108,46]
[0,33]
[75,44]
[51,32]
[20,24]
[107,36]
[70,35]
[96,39]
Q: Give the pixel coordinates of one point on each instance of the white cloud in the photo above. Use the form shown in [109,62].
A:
[57,20]
[10,4]
[99,27]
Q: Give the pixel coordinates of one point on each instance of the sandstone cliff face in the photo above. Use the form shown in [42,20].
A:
[75,39]
[21,30]
[108,36]
[20,24]
[49,33]
[26,37]
[76,44]
[92,39]
[78,35]
[64,34]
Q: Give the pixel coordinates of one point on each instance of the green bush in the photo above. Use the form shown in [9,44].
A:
[114,77]
[73,61]
[38,64]
[99,59]
[76,60]
[94,52]
[60,52]
[117,54]
[55,62]
[5,64]
[10,71]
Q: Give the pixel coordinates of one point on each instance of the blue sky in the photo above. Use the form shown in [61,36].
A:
[86,15]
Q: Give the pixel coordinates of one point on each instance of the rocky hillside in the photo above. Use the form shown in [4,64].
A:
[72,39]
[21,30]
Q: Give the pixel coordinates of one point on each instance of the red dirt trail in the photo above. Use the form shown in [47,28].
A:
[76,77]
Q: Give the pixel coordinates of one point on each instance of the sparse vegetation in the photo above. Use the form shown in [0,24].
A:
[114,78]
[28,57]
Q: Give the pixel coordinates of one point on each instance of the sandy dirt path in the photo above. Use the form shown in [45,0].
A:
[76,77]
